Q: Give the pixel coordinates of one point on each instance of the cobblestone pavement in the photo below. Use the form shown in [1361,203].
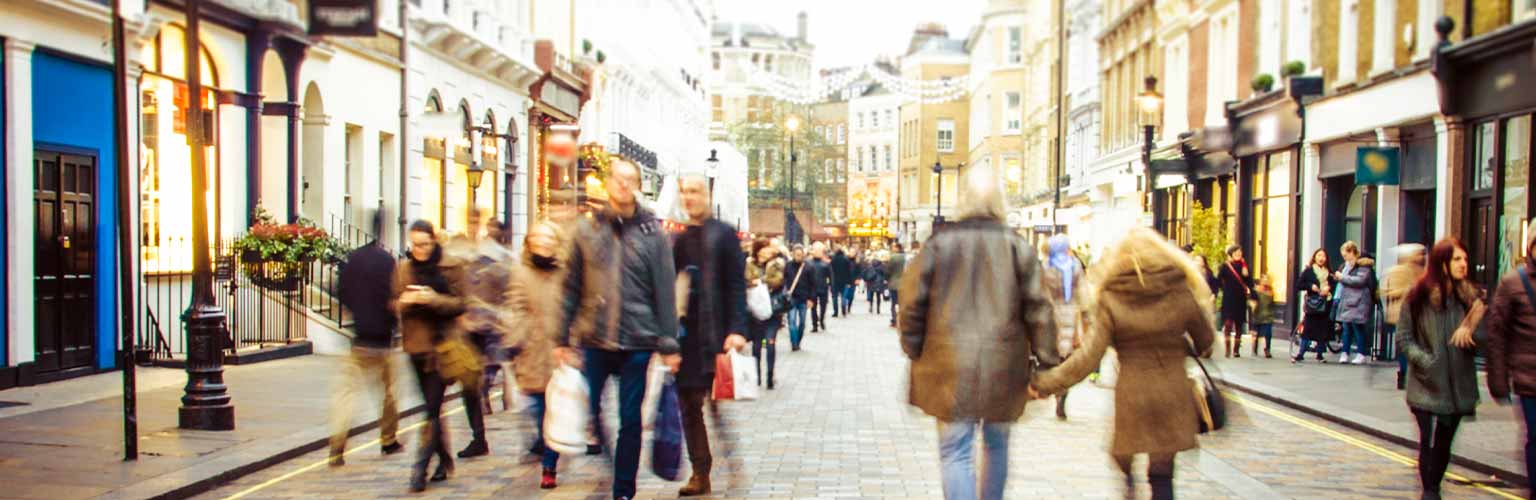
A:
[838,427]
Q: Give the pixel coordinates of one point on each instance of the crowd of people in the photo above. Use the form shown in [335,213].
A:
[988,321]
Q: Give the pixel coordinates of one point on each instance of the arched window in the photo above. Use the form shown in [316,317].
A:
[165,173]
[434,153]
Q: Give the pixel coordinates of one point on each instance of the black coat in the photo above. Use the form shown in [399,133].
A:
[804,290]
[1316,326]
[364,288]
[1235,290]
[842,270]
[717,301]
[823,284]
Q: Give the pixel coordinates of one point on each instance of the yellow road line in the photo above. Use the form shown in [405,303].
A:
[1358,443]
[327,460]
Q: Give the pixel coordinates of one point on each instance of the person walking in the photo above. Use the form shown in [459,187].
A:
[970,358]
[1442,312]
[1357,301]
[1394,289]
[373,331]
[801,281]
[1316,283]
[1236,290]
[1064,282]
[486,274]
[842,282]
[1263,319]
[765,268]
[821,286]
[874,282]
[715,317]
[621,297]
[1511,352]
[894,270]
[428,294]
[535,295]
[1149,305]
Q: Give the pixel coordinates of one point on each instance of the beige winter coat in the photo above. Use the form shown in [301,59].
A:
[536,296]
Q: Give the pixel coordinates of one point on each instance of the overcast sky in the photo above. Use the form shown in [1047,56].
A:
[848,32]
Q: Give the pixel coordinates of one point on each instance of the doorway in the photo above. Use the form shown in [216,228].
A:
[64,189]
[1483,242]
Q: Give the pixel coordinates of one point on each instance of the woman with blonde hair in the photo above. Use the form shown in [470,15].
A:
[535,294]
[1148,303]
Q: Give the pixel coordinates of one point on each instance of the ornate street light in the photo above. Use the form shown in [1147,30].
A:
[1151,104]
[712,170]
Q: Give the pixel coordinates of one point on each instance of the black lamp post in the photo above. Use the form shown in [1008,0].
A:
[711,170]
[938,206]
[1151,103]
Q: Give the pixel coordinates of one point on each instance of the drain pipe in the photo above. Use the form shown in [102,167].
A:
[405,119]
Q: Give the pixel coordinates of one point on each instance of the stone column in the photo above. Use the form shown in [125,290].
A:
[20,220]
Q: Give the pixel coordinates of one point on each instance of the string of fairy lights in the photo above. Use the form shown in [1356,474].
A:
[806,92]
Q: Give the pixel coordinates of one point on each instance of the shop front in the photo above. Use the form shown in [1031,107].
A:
[1198,171]
[1267,135]
[558,95]
[1485,87]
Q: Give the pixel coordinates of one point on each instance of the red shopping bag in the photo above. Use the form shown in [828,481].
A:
[725,386]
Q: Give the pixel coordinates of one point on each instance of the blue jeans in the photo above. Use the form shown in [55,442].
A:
[630,366]
[1307,345]
[1355,335]
[1402,362]
[1265,331]
[536,410]
[796,324]
[847,298]
[1528,409]
[957,443]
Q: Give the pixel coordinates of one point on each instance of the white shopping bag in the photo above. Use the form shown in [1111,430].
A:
[566,411]
[760,302]
[743,375]
[655,375]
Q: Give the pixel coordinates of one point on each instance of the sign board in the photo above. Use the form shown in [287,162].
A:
[224,268]
[1378,166]
[343,17]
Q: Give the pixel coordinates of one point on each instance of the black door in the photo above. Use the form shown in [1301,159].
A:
[1483,242]
[64,188]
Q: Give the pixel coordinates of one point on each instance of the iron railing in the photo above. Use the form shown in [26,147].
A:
[323,290]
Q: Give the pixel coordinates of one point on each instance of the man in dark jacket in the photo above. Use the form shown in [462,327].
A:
[971,358]
[621,299]
[893,270]
[1512,343]
[842,281]
[821,286]
[708,252]
[364,288]
[798,281]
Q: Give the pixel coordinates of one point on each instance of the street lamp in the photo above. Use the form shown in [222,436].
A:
[1151,103]
[792,124]
[474,174]
[938,206]
[711,170]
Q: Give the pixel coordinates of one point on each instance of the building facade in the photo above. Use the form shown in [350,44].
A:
[933,133]
[871,165]
[998,74]
[1096,205]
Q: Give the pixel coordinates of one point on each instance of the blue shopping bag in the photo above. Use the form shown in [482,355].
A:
[667,436]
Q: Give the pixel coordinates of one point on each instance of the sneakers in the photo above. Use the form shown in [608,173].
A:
[392,449]
[1344,358]
[1359,359]
[547,481]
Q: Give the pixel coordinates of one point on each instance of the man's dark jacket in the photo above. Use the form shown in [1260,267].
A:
[842,270]
[717,297]
[823,283]
[802,291]
[620,293]
[364,288]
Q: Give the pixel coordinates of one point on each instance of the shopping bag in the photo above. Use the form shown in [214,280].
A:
[743,376]
[724,387]
[566,411]
[667,439]
[655,377]
[760,302]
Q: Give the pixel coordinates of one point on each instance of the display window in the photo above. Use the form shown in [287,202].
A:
[165,157]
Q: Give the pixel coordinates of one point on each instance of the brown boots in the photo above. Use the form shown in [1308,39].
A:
[1234,346]
[697,485]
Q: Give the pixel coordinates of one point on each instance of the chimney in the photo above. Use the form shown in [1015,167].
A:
[801,32]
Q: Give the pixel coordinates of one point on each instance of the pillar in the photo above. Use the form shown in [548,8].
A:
[20,220]
[1311,200]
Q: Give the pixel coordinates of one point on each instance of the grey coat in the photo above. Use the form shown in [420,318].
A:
[1356,302]
[1443,378]
[973,314]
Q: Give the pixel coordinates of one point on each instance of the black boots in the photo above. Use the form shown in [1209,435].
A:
[476,448]
[1162,486]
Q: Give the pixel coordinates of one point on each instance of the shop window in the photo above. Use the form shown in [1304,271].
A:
[165,173]
[1515,171]
[1483,166]
[1272,221]
[1354,215]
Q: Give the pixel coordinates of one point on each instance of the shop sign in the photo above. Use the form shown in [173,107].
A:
[563,99]
[344,18]
[1377,166]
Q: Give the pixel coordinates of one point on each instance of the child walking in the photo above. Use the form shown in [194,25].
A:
[1263,315]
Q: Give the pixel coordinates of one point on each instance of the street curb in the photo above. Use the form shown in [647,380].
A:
[208,476]
[1477,461]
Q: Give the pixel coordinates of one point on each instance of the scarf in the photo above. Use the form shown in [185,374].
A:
[543,262]
[1061,259]
[428,273]
[1322,275]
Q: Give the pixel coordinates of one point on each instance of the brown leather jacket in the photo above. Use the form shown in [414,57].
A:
[973,314]
[1512,339]
[424,325]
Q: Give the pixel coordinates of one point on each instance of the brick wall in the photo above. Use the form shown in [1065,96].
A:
[1365,48]
[1248,48]
[1407,15]
[1199,61]
[1325,38]
[1489,15]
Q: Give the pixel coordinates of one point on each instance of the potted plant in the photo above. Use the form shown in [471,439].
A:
[1293,68]
[1263,83]
[601,57]
[277,256]
[586,46]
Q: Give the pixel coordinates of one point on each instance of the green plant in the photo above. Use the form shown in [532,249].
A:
[279,251]
[1263,83]
[601,57]
[1208,229]
[1293,68]
[586,46]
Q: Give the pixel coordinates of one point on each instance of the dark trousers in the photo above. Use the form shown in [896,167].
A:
[847,302]
[892,291]
[1435,435]
[767,340]
[630,367]
[432,389]
[692,400]
[819,311]
[1528,409]
[474,411]
[1159,474]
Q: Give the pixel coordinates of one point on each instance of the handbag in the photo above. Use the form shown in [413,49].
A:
[667,439]
[760,302]
[743,376]
[1210,404]
[781,300]
[566,414]
[456,361]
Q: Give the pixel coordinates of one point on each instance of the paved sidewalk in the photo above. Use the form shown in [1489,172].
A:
[1365,398]
[61,446]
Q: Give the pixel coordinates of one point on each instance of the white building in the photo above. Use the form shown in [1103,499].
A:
[1101,201]
[874,123]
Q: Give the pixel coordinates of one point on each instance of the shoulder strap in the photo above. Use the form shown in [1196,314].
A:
[1525,279]
[1239,279]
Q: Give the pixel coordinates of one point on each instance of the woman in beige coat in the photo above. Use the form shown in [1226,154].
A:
[535,296]
[1147,298]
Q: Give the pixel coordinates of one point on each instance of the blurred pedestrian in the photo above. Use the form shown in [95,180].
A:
[800,278]
[715,317]
[821,286]
[1263,319]
[874,282]
[485,275]
[362,291]
[1063,280]
[767,268]
[535,295]
[1236,289]
[1443,311]
[621,296]
[1511,349]
[1394,289]
[970,357]
[842,282]
[895,267]
[1316,283]
[1356,300]
[1149,306]
[428,292]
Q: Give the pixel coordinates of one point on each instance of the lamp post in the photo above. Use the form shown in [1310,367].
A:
[712,170]
[792,124]
[1151,103]
[938,205]
[206,404]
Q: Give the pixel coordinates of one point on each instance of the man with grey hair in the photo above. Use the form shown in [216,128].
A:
[971,359]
